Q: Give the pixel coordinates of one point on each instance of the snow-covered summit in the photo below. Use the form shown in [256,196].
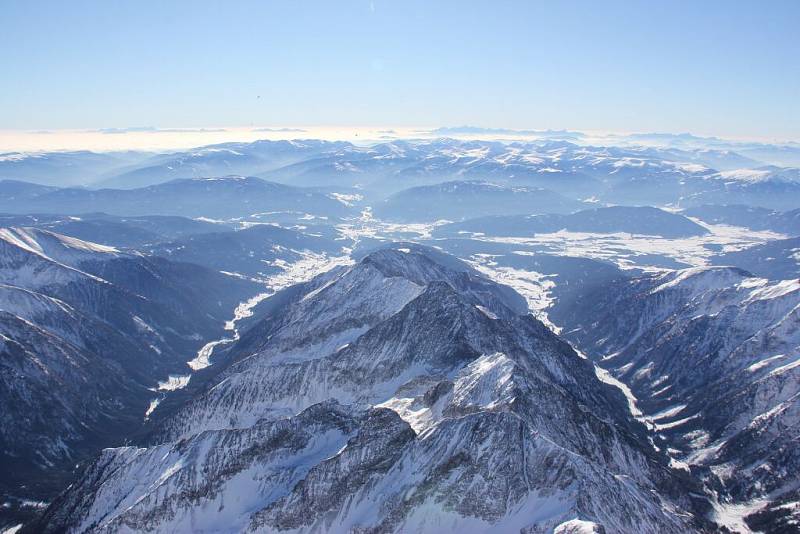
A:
[402,393]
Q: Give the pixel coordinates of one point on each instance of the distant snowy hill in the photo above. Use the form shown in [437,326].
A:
[64,168]
[655,171]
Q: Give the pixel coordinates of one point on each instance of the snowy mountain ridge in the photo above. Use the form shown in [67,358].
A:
[447,392]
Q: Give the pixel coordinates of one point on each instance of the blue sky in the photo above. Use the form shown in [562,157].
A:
[722,68]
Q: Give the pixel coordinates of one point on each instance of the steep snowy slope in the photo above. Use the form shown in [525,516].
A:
[69,384]
[454,410]
[713,356]
[120,232]
[116,285]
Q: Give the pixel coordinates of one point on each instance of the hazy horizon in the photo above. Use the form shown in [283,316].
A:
[177,138]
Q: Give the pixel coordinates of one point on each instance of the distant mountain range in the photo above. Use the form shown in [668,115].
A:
[623,174]
[217,160]
[224,197]
[633,220]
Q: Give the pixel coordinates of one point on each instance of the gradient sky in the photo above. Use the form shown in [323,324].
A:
[722,68]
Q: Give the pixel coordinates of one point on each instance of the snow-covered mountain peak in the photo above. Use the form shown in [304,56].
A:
[33,258]
[416,264]
[423,265]
[53,246]
[449,405]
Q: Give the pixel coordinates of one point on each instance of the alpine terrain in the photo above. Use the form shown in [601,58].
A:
[406,392]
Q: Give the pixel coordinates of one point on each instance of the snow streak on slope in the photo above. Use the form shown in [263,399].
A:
[306,268]
[732,516]
[311,264]
[242,311]
[713,356]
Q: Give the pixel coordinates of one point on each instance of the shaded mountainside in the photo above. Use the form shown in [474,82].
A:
[256,251]
[454,410]
[456,201]
[777,260]
[110,230]
[635,220]
[86,332]
[755,218]
[225,197]
[711,354]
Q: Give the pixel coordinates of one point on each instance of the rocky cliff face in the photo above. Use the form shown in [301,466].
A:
[402,394]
